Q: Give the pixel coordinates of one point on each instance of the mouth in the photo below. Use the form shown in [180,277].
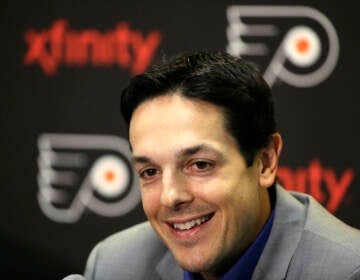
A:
[190,224]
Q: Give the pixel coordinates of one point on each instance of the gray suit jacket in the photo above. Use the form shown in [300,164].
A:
[306,242]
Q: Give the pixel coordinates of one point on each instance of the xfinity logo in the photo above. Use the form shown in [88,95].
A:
[79,172]
[324,184]
[60,45]
[297,45]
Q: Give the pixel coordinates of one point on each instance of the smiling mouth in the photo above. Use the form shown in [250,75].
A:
[192,223]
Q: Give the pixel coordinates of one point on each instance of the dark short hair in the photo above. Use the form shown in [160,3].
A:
[215,77]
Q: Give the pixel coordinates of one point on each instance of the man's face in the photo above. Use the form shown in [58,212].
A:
[197,192]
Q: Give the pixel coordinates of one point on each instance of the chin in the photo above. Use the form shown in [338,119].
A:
[195,263]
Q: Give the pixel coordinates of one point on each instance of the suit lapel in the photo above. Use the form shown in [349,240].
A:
[167,268]
[284,238]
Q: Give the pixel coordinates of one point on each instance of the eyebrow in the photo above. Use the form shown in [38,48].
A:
[195,149]
[140,159]
[181,153]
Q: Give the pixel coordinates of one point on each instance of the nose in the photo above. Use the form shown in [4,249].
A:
[175,191]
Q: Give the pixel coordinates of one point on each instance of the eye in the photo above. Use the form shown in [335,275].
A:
[200,166]
[148,173]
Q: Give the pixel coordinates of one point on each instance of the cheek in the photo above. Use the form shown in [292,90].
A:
[150,200]
[220,189]
[236,194]
[207,190]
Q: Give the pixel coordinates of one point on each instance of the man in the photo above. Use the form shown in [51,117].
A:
[206,149]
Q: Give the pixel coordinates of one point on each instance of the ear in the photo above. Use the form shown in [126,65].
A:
[269,159]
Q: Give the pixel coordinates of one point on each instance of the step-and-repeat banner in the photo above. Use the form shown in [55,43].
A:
[66,180]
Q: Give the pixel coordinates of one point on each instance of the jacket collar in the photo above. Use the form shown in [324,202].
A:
[289,220]
[167,268]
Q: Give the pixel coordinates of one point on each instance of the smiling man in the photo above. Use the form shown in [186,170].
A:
[206,149]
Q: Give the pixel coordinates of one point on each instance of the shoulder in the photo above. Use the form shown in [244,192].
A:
[133,239]
[325,226]
[327,247]
[132,253]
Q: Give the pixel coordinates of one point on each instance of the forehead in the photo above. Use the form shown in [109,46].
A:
[175,108]
[176,120]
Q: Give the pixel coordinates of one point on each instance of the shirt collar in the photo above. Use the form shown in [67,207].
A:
[245,266]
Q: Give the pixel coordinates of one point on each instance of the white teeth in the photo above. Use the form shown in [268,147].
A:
[191,224]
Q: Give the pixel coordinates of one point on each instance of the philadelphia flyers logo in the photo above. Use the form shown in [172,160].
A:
[79,172]
[296,45]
